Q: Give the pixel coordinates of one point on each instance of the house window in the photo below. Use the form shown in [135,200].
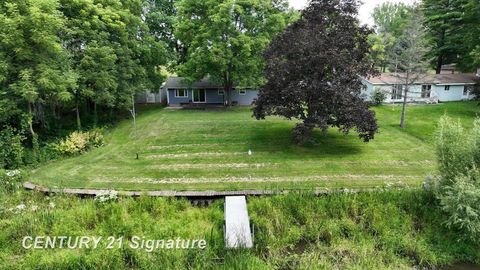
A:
[181,93]
[221,92]
[426,90]
[447,87]
[242,92]
[397,91]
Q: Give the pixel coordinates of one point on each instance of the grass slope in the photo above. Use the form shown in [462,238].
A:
[381,230]
[198,150]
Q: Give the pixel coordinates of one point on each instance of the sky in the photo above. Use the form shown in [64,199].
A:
[365,10]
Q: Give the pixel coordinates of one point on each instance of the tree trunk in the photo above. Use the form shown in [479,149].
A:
[438,68]
[54,115]
[95,114]
[404,107]
[227,83]
[30,123]
[77,112]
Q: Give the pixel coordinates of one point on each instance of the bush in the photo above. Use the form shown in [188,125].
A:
[106,196]
[79,142]
[10,180]
[458,186]
[378,97]
[457,150]
[461,200]
[11,148]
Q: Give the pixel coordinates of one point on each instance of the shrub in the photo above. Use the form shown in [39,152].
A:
[95,138]
[461,200]
[378,97]
[10,180]
[457,150]
[458,185]
[79,142]
[106,196]
[11,148]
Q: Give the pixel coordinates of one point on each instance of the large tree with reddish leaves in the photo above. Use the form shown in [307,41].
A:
[313,71]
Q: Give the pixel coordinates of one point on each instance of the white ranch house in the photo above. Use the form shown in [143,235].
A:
[431,88]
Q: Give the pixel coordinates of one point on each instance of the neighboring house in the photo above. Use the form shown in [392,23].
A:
[449,69]
[431,88]
[205,91]
[152,97]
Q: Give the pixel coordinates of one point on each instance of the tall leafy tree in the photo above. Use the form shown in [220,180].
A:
[392,18]
[313,68]
[390,21]
[34,66]
[225,39]
[161,17]
[113,51]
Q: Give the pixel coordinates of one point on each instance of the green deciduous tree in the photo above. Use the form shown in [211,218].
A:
[161,17]
[113,51]
[225,39]
[390,20]
[35,68]
[59,55]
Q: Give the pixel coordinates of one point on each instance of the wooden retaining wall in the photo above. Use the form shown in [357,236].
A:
[192,194]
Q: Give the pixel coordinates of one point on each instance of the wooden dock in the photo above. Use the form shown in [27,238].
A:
[237,223]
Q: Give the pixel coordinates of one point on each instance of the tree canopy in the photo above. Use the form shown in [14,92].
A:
[225,39]
[453,28]
[390,20]
[313,71]
[56,55]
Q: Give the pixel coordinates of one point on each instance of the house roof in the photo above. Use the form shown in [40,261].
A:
[449,67]
[180,82]
[460,78]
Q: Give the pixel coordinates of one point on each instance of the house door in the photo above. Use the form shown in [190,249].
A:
[199,95]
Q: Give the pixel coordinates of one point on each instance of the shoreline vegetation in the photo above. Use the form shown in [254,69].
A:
[376,230]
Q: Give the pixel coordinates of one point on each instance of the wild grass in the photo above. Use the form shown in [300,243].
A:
[208,150]
[378,230]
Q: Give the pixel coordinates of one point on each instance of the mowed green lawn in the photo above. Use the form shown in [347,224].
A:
[208,150]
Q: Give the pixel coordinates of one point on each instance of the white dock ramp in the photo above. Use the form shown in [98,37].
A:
[237,223]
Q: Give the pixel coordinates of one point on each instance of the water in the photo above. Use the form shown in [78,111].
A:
[462,266]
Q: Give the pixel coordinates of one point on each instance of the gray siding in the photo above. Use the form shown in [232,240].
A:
[212,96]
[246,99]
[172,100]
